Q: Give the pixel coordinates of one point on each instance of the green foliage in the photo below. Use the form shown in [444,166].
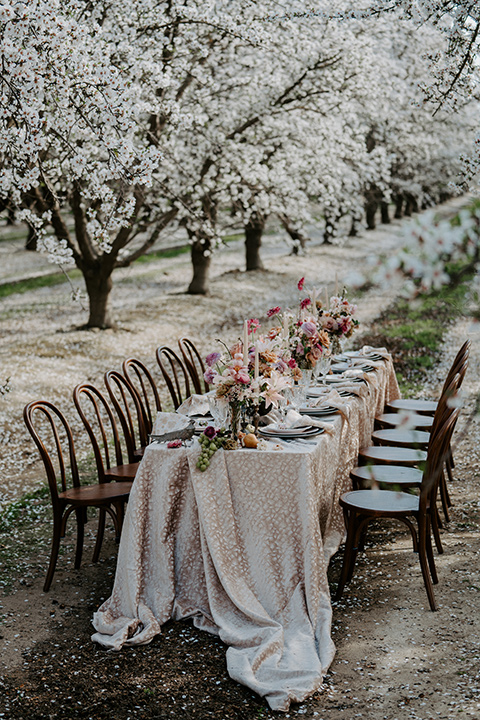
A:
[413,330]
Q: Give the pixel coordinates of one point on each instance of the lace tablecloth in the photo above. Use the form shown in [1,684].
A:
[243,549]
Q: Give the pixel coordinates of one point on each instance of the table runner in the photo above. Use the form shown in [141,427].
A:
[243,549]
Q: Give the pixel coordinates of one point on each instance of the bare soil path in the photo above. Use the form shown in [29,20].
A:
[395,659]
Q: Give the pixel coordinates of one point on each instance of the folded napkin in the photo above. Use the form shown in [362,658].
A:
[356,373]
[195,405]
[358,389]
[369,350]
[293,420]
[171,426]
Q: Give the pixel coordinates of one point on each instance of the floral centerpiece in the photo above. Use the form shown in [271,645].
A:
[247,380]
[305,338]
[338,320]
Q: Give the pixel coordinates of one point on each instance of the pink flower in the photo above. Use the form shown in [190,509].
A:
[300,349]
[292,363]
[212,358]
[301,283]
[174,444]
[315,353]
[253,324]
[242,376]
[308,328]
[209,375]
[305,302]
[273,311]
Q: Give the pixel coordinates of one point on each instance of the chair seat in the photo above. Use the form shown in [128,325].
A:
[391,474]
[416,421]
[101,494]
[401,438]
[386,502]
[122,472]
[423,407]
[385,454]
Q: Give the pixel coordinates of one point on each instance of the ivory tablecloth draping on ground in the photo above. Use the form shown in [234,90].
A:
[243,549]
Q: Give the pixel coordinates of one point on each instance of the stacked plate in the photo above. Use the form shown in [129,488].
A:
[273,431]
[339,367]
[318,411]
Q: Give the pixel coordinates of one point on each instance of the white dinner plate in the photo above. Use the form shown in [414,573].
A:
[317,411]
[339,367]
[286,433]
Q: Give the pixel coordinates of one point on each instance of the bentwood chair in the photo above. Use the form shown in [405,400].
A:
[129,411]
[53,437]
[415,511]
[99,421]
[194,364]
[143,383]
[428,407]
[395,447]
[175,375]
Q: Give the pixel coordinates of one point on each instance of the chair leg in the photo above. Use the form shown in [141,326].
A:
[443,497]
[100,531]
[435,529]
[80,514]
[422,555]
[347,555]
[430,558]
[450,477]
[57,530]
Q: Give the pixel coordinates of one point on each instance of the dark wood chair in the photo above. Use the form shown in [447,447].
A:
[142,381]
[418,439]
[394,420]
[428,407]
[415,511]
[99,421]
[129,411]
[53,437]
[194,364]
[175,375]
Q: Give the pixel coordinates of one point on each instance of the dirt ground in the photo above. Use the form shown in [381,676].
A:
[395,659]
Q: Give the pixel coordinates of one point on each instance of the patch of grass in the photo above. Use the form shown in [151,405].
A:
[24,286]
[413,331]
[26,530]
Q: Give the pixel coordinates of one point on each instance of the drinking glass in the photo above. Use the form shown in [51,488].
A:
[220,410]
[323,366]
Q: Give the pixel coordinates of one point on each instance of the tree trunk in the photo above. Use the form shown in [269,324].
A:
[370,210]
[408,207]
[99,285]
[201,268]
[384,212]
[398,207]
[331,223]
[253,242]
[31,241]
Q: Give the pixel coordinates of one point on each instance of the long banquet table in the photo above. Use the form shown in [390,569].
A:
[243,549]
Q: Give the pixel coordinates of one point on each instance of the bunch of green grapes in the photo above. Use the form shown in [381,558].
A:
[209,447]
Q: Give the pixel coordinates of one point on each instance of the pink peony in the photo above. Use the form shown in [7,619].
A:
[292,363]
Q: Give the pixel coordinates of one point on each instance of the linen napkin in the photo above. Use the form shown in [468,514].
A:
[293,419]
[171,426]
[195,405]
